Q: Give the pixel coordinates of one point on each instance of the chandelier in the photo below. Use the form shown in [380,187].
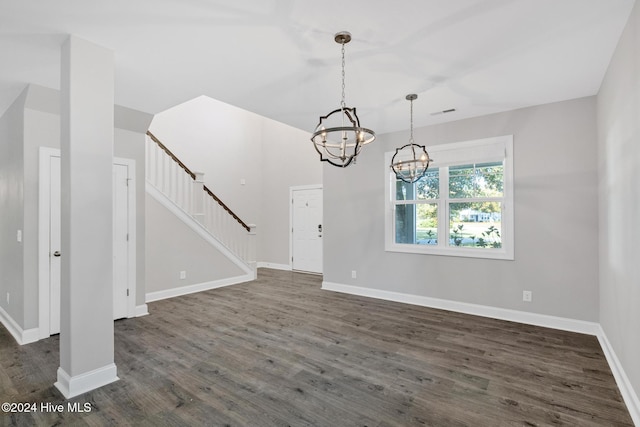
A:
[411,161]
[338,138]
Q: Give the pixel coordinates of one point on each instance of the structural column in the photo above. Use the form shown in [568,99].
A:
[86,316]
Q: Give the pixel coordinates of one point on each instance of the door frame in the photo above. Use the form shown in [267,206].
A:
[44,198]
[291,190]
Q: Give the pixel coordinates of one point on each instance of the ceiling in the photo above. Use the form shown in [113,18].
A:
[277,58]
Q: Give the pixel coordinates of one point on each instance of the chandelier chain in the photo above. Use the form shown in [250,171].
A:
[411,135]
[343,103]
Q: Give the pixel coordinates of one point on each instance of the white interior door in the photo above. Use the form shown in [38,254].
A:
[307,230]
[120,240]
[54,246]
[120,243]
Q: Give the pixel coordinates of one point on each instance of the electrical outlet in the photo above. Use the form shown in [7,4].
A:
[354,274]
[183,275]
[19,235]
[526,296]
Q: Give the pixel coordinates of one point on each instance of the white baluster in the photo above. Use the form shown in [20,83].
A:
[172,180]
[157,163]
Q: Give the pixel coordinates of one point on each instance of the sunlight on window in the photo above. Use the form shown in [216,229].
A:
[461,207]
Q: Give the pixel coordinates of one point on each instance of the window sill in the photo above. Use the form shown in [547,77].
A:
[503,253]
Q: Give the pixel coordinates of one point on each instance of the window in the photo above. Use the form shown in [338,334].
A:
[463,206]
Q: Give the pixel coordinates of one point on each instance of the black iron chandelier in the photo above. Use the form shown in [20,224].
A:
[338,138]
[410,162]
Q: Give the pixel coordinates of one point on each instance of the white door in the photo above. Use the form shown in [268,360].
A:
[54,246]
[120,240]
[307,230]
[120,243]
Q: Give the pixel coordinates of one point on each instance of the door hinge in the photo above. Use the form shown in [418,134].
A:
[127,292]
[291,259]
[127,237]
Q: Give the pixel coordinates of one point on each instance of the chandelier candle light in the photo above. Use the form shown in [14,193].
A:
[338,138]
[411,161]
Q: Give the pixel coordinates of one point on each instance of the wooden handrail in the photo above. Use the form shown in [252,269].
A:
[193,176]
[226,208]
[170,154]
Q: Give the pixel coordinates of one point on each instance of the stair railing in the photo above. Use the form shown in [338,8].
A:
[186,189]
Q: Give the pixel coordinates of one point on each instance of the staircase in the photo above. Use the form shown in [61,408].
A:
[173,184]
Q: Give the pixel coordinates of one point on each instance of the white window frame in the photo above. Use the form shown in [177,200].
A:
[459,153]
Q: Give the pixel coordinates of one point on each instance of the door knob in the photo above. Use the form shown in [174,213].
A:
[56,253]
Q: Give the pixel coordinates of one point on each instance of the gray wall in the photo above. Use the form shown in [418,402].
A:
[129,143]
[41,129]
[618,160]
[281,144]
[33,122]
[173,247]
[556,249]
[12,210]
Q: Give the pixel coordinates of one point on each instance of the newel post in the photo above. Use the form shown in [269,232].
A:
[197,197]
[252,249]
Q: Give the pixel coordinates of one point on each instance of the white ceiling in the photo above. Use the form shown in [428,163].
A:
[278,58]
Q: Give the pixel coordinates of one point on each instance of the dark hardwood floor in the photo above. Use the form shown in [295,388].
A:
[281,352]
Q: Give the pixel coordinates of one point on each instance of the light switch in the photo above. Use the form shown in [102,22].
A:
[19,235]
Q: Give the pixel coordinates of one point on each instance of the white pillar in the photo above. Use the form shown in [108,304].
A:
[252,250]
[197,202]
[86,318]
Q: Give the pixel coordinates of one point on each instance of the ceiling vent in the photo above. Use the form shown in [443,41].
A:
[450,110]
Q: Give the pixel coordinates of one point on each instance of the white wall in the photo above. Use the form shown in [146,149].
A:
[222,141]
[229,144]
[618,161]
[556,246]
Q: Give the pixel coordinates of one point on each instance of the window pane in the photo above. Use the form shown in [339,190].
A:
[427,226]
[428,187]
[489,179]
[476,180]
[476,225]
[417,224]
[461,181]
[404,191]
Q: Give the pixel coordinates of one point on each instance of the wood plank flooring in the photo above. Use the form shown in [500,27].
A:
[279,351]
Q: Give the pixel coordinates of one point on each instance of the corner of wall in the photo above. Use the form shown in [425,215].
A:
[627,390]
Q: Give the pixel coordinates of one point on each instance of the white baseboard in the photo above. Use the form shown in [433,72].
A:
[142,310]
[185,290]
[274,266]
[21,336]
[629,395]
[30,335]
[79,384]
[591,328]
[572,325]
